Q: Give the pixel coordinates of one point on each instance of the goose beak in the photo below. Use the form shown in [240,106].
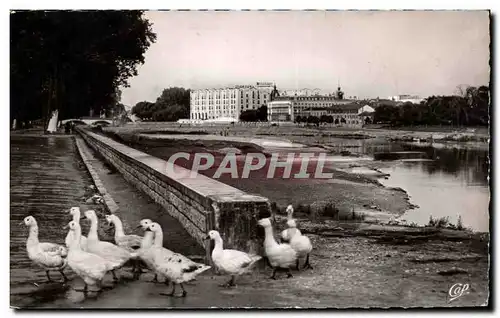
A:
[21,223]
[138,226]
[65,227]
[207,238]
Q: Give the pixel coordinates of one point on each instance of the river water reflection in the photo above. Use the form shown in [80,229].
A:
[443,182]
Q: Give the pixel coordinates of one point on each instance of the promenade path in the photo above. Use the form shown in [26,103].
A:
[46,178]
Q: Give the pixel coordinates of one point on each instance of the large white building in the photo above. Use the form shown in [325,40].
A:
[209,104]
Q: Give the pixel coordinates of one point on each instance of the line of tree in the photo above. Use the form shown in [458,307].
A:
[73,61]
[469,108]
[171,105]
[254,115]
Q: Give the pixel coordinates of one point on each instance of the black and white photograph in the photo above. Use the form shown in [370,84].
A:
[258,159]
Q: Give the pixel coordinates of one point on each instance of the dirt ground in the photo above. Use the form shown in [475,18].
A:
[348,272]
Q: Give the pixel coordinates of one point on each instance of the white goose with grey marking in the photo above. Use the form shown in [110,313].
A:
[229,261]
[174,266]
[49,256]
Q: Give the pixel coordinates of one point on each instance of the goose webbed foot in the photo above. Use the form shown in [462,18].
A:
[268,262]
[173,291]
[307,264]
[49,280]
[230,283]
[65,279]
[114,275]
[154,280]
[184,293]
[273,276]
[83,290]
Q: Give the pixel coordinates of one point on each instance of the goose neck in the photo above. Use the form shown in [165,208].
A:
[219,244]
[93,229]
[118,228]
[269,238]
[147,239]
[33,235]
[158,242]
[76,216]
[77,235]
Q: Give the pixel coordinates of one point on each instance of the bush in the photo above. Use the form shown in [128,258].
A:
[439,223]
[328,210]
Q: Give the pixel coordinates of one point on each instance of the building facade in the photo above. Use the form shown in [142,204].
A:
[289,108]
[209,104]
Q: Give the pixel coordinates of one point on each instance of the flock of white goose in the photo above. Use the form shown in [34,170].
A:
[91,259]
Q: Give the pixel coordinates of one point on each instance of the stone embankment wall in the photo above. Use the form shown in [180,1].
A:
[199,203]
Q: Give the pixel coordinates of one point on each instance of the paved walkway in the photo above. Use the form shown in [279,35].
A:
[46,178]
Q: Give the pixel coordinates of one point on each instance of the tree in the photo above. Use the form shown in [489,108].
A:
[249,115]
[313,120]
[323,119]
[143,110]
[469,108]
[73,61]
[262,113]
[172,104]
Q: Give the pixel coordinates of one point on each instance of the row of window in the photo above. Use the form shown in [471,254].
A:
[211,116]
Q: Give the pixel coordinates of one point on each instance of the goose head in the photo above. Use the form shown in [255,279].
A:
[264,222]
[63,251]
[72,226]
[144,224]
[213,235]
[29,221]
[291,223]
[289,210]
[90,214]
[75,211]
[154,227]
[110,218]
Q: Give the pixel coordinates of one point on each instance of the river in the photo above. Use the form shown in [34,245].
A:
[443,181]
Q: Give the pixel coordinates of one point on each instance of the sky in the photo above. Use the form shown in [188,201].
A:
[370,53]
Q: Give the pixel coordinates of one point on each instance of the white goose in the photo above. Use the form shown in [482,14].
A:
[113,254]
[75,212]
[49,256]
[285,235]
[146,243]
[229,261]
[130,242]
[300,243]
[90,267]
[280,256]
[176,267]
